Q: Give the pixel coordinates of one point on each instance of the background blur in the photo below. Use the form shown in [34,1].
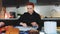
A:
[46,8]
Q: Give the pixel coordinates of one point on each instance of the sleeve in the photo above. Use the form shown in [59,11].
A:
[20,20]
[39,22]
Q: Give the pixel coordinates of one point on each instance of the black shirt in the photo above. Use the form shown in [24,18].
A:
[25,18]
[28,18]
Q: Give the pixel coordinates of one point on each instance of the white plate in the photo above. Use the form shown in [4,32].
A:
[24,28]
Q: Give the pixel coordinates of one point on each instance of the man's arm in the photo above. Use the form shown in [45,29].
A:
[22,20]
[39,22]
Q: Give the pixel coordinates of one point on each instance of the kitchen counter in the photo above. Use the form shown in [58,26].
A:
[10,19]
[50,19]
[15,21]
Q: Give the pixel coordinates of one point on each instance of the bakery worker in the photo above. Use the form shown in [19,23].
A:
[30,18]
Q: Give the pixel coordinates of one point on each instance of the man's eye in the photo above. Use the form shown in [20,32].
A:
[30,8]
[27,8]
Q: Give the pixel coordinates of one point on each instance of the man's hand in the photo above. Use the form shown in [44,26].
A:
[34,24]
[23,24]
[2,24]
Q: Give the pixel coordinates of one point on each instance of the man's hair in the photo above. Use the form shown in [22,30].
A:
[30,3]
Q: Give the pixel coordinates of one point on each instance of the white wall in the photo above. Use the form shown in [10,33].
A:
[55,11]
[42,10]
[10,9]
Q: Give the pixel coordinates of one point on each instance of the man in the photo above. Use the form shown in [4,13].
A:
[30,18]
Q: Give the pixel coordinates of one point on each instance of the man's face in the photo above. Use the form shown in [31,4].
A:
[30,8]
